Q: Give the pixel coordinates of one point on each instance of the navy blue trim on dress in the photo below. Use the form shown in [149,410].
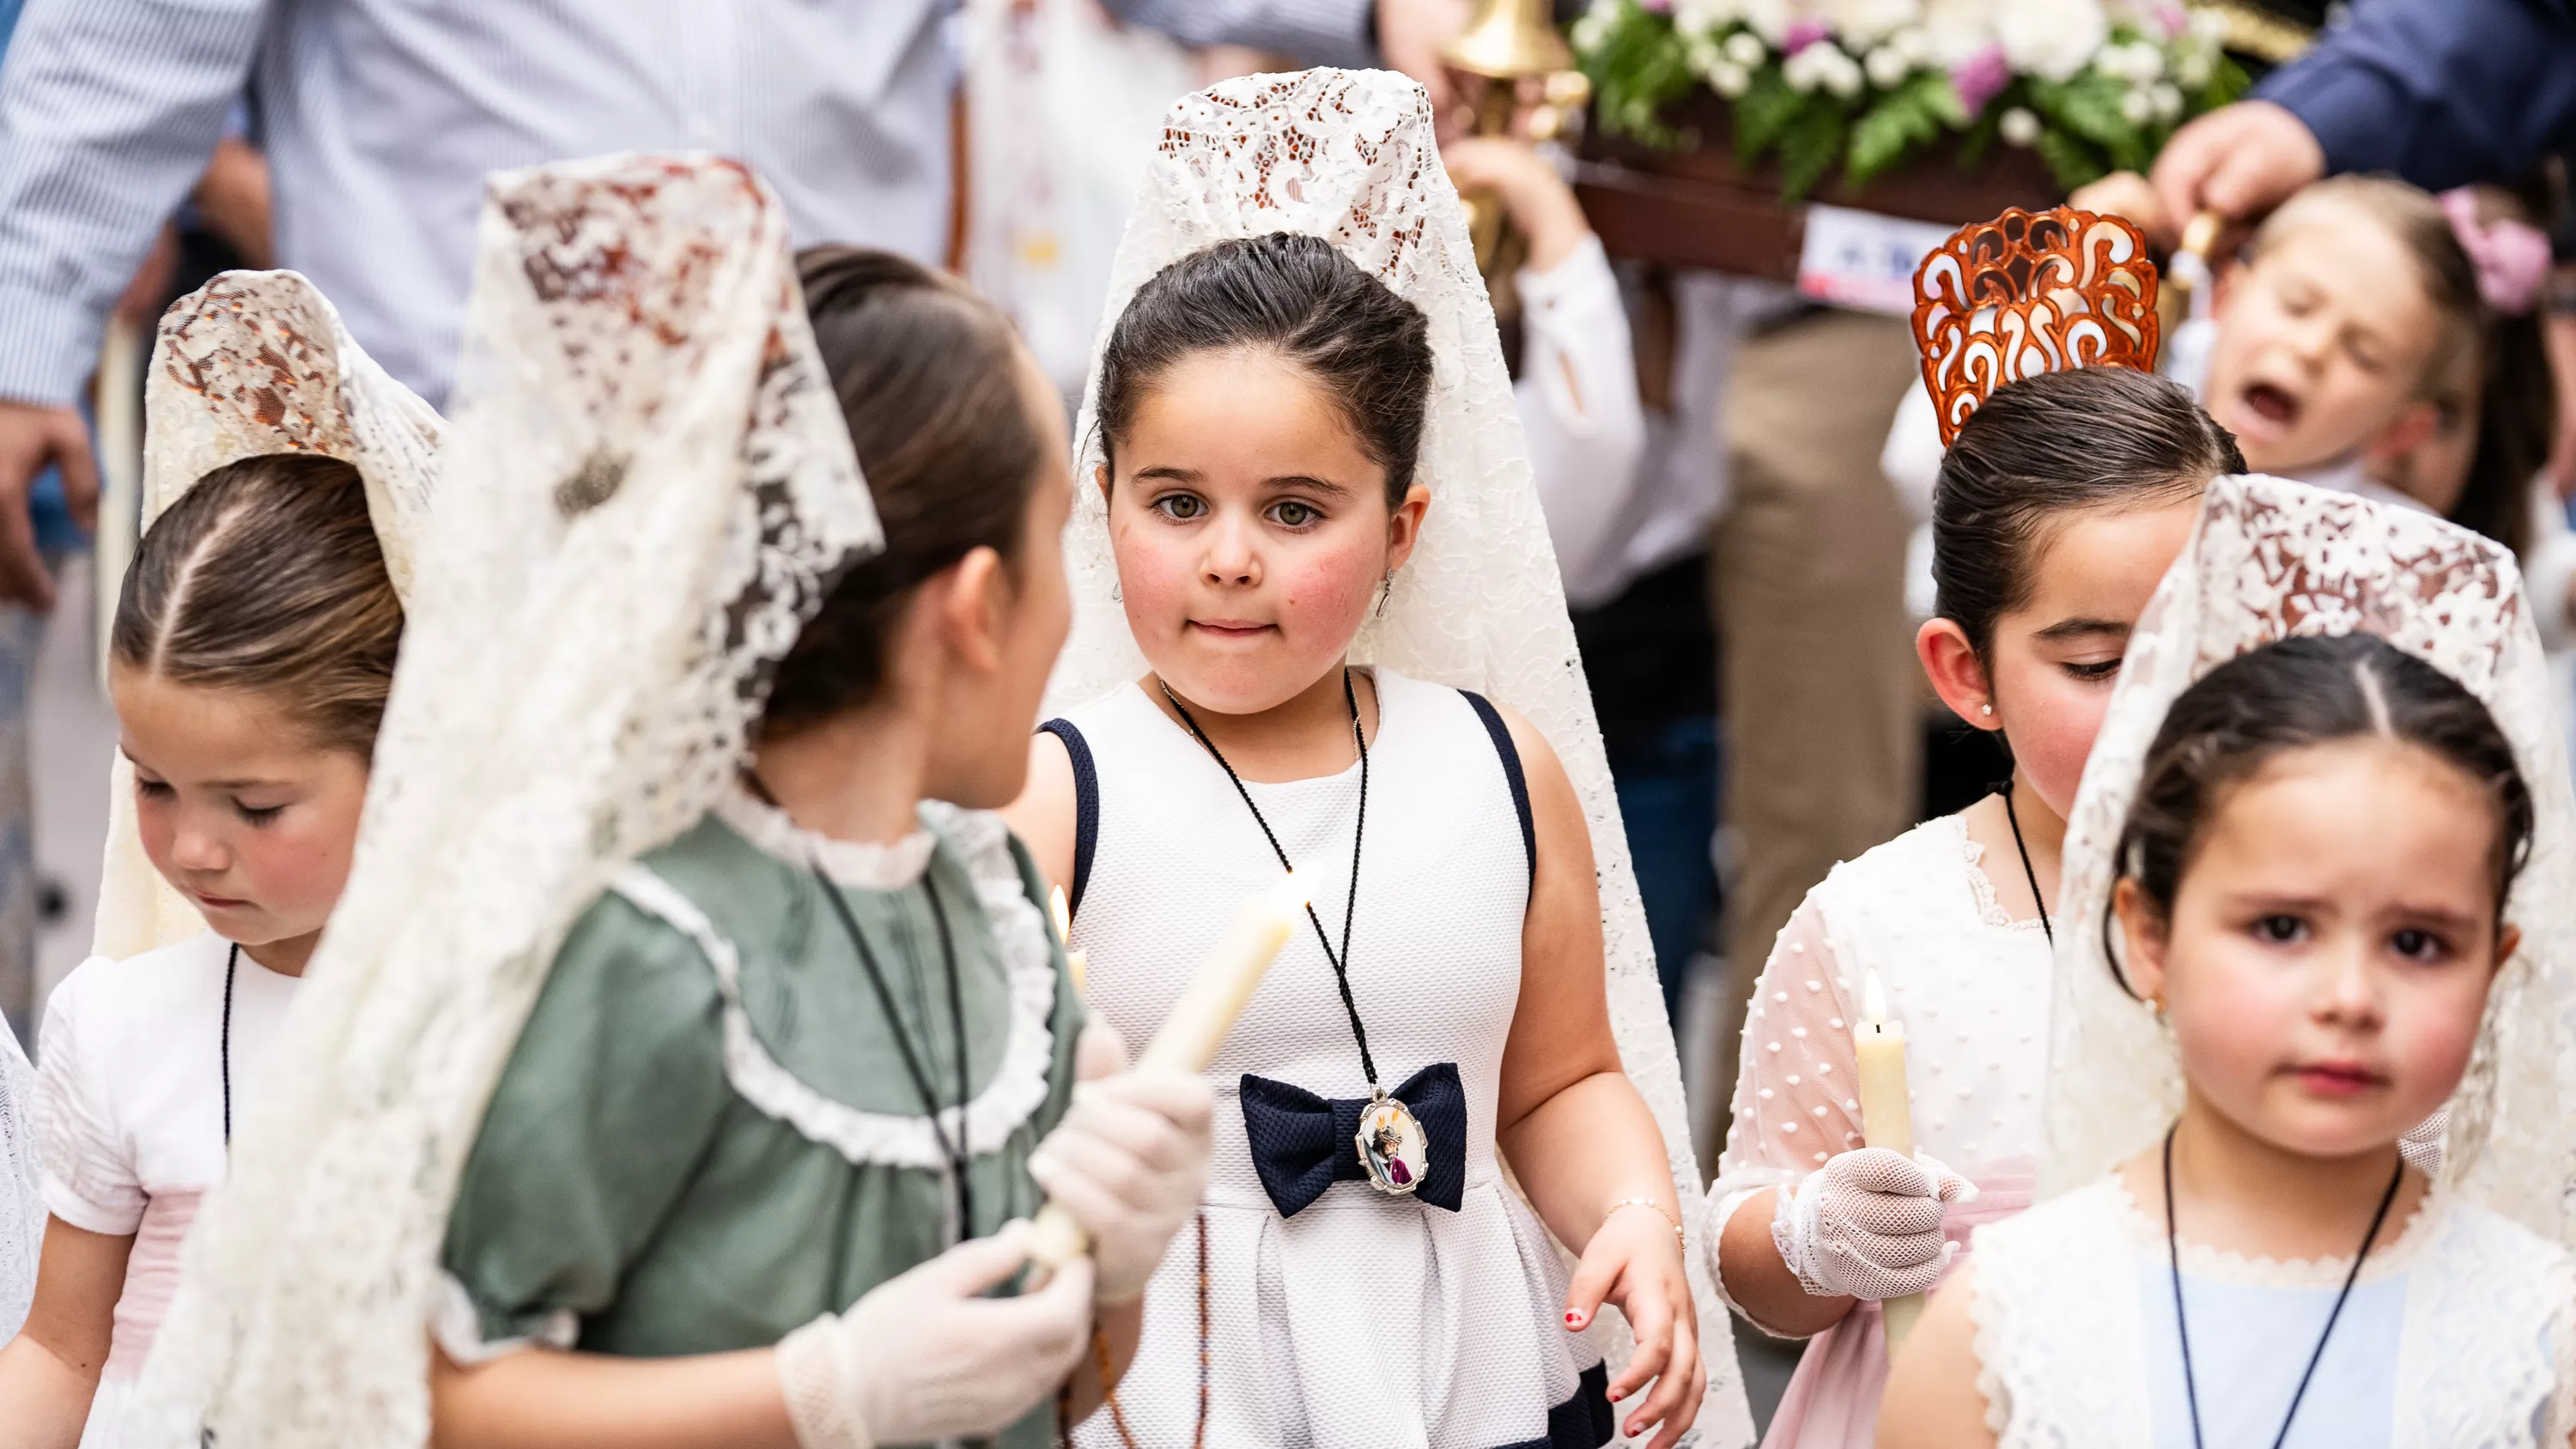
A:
[1086,807]
[1582,1421]
[1511,754]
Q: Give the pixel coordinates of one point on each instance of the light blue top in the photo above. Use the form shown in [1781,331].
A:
[2249,1342]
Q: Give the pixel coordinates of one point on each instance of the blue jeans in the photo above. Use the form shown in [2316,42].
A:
[1667,785]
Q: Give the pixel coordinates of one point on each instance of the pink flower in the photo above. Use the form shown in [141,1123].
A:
[1980,78]
[1803,34]
[1657,7]
[2174,20]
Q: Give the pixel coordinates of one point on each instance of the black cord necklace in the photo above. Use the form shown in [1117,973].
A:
[955,1151]
[2182,1326]
[224,1046]
[2041,901]
[1340,962]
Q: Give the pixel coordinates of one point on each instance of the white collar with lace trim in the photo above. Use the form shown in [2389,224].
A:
[861,865]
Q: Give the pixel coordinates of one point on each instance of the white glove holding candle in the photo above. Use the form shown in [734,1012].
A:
[924,1356]
[1128,1162]
[1868,1224]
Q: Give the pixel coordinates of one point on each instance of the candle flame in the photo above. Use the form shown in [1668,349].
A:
[1873,1000]
[1063,917]
[1290,895]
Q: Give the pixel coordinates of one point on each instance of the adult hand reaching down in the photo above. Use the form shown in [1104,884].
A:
[31,436]
[2239,161]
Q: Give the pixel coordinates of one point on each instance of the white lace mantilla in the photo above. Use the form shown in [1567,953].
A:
[648,489]
[254,363]
[2269,560]
[2488,1342]
[22,1206]
[1350,156]
[1019,1082]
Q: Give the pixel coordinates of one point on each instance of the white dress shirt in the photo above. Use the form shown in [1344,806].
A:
[381,118]
[1626,489]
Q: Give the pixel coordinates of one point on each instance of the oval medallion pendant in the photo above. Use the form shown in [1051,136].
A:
[1392,1146]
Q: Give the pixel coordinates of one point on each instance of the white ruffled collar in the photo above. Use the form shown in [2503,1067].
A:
[861,865]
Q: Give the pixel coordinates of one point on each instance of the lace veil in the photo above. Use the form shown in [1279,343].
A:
[252,363]
[1350,156]
[649,490]
[2268,560]
[22,1208]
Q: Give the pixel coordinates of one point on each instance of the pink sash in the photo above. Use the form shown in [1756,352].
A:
[1832,1400]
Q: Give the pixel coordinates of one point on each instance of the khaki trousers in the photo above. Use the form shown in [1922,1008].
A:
[1823,751]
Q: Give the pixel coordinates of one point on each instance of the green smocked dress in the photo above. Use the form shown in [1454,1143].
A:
[706,1135]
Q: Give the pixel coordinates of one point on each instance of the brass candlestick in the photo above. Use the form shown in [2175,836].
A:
[1507,42]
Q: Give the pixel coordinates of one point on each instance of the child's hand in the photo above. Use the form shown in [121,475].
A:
[925,1356]
[1538,201]
[1868,1223]
[1635,1261]
[1128,1162]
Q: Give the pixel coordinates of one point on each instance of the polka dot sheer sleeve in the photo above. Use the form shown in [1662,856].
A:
[1796,1092]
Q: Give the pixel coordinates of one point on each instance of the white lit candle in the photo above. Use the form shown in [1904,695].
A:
[1194,1028]
[1886,1114]
[1077,964]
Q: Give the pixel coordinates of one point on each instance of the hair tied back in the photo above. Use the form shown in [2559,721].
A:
[2512,257]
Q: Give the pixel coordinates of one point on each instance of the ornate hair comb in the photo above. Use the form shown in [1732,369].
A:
[2027,293]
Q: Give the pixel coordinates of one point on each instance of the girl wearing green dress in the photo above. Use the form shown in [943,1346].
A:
[797,1054]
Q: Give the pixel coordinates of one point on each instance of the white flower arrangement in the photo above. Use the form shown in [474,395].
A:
[1862,86]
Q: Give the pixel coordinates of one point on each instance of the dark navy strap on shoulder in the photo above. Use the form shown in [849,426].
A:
[1519,782]
[1086,806]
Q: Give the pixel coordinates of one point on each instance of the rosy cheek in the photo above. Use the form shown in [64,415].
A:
[1326,590]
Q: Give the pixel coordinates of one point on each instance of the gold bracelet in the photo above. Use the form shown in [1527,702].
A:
[1646,1202]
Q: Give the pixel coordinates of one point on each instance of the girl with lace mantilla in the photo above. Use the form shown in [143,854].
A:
[1310,534]
[252,652]
[2062,498]
[2328,832]
[694,1131]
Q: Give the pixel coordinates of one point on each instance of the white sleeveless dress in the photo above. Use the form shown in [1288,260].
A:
[1364,1321]
[2461,1334]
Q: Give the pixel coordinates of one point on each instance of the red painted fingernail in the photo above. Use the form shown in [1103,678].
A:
[1616,1396]
[1573,1319]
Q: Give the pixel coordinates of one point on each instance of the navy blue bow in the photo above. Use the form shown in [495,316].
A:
[1303,1144]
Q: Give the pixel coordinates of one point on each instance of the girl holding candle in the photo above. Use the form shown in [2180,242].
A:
[1309,532]
[688,1061]
[2062,499]
[2319,880]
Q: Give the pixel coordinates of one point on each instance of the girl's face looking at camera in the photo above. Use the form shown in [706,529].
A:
[240,809]
[2327,956]
[1252,529]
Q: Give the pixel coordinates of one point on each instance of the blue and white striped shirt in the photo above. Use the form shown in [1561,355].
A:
[381,118]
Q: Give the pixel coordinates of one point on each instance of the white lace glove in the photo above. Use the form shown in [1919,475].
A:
[1129,1161]
[1868,1223]
[925,1357]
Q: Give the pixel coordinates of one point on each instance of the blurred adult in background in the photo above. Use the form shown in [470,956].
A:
[381,117]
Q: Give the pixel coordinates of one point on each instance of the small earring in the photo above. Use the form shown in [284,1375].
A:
[1386,591]
[1985,709]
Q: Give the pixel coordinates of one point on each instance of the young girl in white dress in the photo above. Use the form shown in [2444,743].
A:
[250,660]
[2336,878]
[2062,499]
[1308,505]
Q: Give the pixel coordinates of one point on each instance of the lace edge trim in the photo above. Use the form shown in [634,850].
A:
[459,1329]
[1018,1086]
[862,865]
[1986,1340]
[1990,910]
[2258,1271]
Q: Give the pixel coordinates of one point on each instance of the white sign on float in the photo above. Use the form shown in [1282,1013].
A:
[1862,260]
